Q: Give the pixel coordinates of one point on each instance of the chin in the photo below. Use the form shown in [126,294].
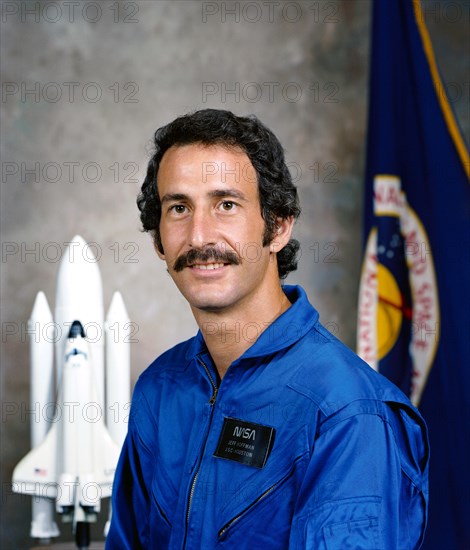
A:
[209,302]
[210,308]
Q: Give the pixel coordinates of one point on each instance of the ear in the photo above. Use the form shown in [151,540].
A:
[159,252]
[282,234]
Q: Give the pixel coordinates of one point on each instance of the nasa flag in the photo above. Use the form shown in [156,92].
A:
[414,296]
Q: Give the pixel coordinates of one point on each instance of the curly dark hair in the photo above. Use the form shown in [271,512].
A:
[278,195]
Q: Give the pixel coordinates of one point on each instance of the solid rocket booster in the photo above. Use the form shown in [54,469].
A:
[118,382]
[79,295]
[42,335]
[41,329]
[118,334]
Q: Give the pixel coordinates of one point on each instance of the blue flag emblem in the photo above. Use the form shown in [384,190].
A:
[414,301]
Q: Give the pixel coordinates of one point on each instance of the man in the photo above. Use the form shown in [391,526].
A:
[263,431]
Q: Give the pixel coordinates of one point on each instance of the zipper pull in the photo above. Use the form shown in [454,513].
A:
[214,396]
[213,384]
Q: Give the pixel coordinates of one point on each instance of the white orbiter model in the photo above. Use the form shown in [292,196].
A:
[76,438]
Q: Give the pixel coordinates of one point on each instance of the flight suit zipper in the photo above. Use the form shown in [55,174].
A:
[212,401]
[243,512]
[222,532]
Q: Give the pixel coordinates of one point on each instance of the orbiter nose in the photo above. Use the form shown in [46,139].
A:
[76,330]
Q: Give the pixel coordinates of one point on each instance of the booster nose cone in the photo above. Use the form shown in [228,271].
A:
[76,330]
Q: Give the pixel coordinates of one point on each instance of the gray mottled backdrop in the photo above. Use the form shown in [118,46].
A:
[85,85]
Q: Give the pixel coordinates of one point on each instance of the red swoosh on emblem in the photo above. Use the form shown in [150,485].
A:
[407,311]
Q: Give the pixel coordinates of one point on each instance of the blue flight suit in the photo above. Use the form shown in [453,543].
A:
[301,446]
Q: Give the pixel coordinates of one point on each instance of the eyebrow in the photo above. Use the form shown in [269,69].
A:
[217,193]
[174,197]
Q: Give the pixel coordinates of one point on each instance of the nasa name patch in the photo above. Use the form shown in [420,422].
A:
[245,442]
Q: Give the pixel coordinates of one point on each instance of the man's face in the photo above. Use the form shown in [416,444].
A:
[211,226]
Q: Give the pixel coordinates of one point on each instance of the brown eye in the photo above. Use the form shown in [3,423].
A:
[228,205]
[178,208]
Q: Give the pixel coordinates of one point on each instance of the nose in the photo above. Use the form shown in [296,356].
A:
[202,230]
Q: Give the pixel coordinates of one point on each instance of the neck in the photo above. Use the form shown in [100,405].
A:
[229,333]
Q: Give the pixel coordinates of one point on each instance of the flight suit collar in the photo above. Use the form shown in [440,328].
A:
[286,330]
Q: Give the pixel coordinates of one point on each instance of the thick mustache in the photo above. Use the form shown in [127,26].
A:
[204,256]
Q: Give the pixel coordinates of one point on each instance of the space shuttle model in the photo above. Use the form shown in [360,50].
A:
[83,402]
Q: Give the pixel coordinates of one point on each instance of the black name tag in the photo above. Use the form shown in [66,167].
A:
[245,442]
